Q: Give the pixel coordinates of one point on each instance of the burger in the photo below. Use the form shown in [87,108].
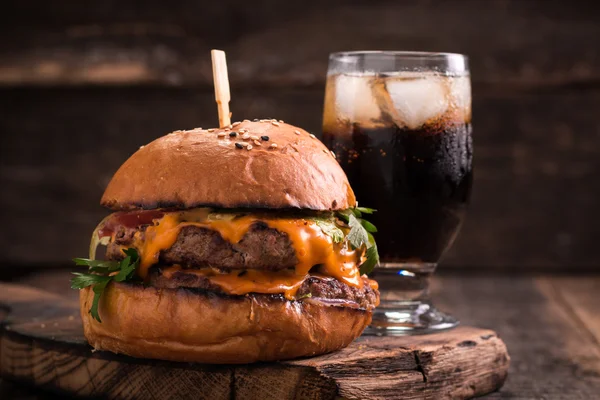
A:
[230,245]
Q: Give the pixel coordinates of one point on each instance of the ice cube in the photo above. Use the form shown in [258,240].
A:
[415,99]
[354,99]
[460,92]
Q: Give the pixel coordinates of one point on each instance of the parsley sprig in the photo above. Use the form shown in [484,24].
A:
[330,229]
[101,273]
[360,233]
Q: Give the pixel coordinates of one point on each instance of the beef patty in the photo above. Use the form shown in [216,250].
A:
[197,247]
[313,287]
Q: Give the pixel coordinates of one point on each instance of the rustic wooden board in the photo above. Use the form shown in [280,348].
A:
[42,344]
[548,323]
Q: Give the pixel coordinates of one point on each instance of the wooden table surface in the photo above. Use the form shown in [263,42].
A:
[551,325]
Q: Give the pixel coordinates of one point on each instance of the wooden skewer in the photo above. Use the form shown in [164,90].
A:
[221,81]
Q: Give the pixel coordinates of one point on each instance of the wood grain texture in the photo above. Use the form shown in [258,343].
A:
[552,355]
[42,344]
[573,308]
[511,42]
[573,293]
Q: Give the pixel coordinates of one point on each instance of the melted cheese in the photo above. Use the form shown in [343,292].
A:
[163,235]
[311,245]
[250,281]
[159,237]
[374,285]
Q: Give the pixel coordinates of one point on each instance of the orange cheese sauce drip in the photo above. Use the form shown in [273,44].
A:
[312,248]
[164,234]
[251,281]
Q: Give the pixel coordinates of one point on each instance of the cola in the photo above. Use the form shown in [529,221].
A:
[405,142]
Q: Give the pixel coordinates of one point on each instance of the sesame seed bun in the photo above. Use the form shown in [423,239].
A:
[267,164]
[196,326]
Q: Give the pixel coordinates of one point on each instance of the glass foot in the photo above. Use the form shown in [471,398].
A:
[409,318]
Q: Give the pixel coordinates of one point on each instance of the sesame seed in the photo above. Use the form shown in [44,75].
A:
[246,136]
[255,120]
[273,146]
[264,120]
[235,124]
[230,126]
[297,132]
[265,138]
[333,154]
[141,147]
[281,121]
[312,136]
[246,120]
[254,137]
[256,142]
[239,145]
[211,130]
[198,129]
[232,134]
[325,151]
[249,147]
[275,123]
[221,134]
[243,130]
[226,129]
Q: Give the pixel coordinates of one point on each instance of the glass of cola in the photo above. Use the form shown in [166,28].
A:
[400,126]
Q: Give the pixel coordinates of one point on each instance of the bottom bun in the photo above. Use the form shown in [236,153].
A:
[200,326]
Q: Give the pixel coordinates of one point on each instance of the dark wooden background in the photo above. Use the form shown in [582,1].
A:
[83,84]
